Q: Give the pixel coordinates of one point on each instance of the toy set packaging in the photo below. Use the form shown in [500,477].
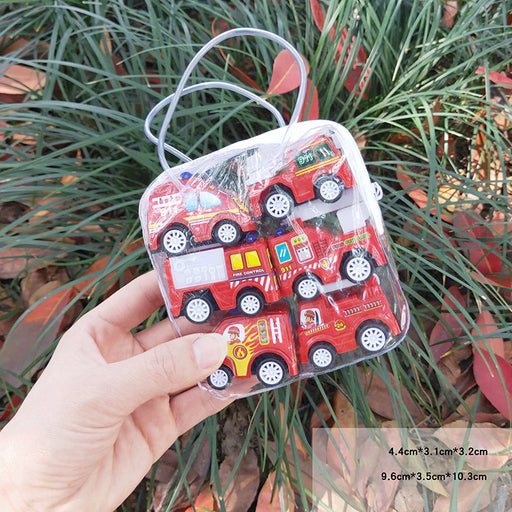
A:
[277,242]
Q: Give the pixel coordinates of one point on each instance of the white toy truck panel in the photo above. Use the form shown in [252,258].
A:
[198,269]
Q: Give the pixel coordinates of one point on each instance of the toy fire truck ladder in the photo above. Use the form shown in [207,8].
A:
[275,329]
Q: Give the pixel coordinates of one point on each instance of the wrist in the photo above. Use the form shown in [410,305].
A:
[11,495]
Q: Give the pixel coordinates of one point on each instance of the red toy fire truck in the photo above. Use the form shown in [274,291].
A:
[224,277]
[265,346]
[198,213]
[317,170]
[308,256]
[357,317]
[262,346]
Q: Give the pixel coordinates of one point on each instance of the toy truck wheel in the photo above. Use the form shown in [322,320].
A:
[250,302]
[307,287]
[358,268]
[322,355]
[372,336]
[198,309]
[227,232]
[221,378]
[271,371]
[278,204]
[175,240]
[329,188]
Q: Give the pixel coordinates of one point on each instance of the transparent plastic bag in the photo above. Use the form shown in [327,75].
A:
[278,243]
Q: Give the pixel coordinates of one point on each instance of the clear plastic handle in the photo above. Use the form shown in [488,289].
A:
[180,89]
[193,88]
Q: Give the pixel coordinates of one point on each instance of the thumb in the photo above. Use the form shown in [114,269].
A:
[167,368]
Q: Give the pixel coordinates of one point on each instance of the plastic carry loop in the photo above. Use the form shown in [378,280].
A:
[278,243]
[172,100]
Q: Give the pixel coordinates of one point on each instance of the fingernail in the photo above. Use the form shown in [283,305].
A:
[210,351]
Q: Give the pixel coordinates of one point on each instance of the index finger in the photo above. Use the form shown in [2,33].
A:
[131,305]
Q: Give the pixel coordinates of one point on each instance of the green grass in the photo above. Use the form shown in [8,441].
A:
[88,123]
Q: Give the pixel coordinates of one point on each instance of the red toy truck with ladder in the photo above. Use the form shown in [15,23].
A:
[225,277]
[308,256]
[360,317]
[316,171]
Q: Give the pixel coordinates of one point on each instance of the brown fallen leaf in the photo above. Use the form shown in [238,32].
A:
[15,260]
[275,497]
[450,9]
[17,80]
[408,498]
[451,324]
[239,486]
[204,502]
[467,495]
[379,398]
[32,336]
[494,443]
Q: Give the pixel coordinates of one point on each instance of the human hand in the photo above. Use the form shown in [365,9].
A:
[100,414]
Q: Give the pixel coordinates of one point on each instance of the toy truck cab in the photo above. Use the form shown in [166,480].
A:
[316,170]
[357,317]
[225,278]
[309,256]
[198,213]
[262,346]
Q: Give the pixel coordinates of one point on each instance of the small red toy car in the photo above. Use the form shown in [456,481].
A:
[359,317]
[308,256]
[199,213]
[225,278]
[262,346]
[317,170]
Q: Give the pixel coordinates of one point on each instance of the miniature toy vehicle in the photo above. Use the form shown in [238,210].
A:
[201,212]
[317,170]
[262,346]
[357,317]
[225,278]
[307,257]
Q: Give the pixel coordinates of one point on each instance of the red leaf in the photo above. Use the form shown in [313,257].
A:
[318,14]
[32,336]
[17,80]
[269,498]
[496,77]
[487,325]
[495,380]
[478,251]
[310,104]
[450,325]
[285,73]
[449,13]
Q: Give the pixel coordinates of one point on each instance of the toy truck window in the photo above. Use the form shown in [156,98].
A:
[310,317]
[283,253]
[190,201]
[253,259]
[324,151]
[209,200]
[236,261]
[305,158]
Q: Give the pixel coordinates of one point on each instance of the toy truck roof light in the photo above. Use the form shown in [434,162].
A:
[239,277]
[316,170]
[198,213]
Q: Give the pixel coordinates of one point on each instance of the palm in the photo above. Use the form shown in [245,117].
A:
[110,416]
